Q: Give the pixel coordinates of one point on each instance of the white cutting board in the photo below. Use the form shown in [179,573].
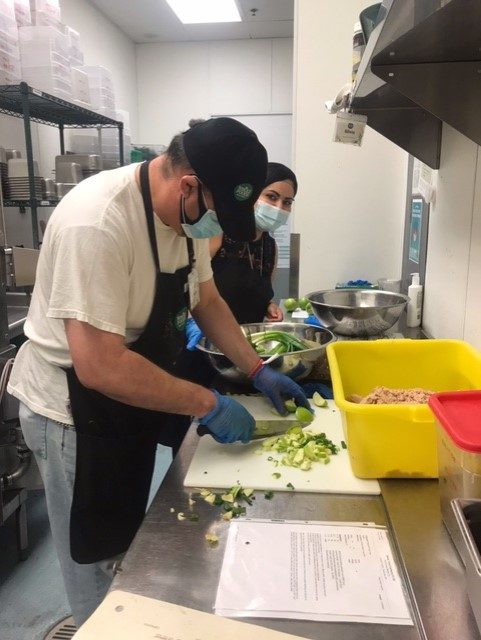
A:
[125,616]
[221,466]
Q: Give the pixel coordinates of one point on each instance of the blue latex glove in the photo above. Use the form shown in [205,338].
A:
[278,387]
[310,388]
[228,421]
[312,320]
[192,333]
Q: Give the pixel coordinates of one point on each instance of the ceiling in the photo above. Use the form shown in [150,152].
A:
[154,21]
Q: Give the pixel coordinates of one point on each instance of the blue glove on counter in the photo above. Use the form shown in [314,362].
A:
[228,421]
[192,333]
[278,387]
[312,320]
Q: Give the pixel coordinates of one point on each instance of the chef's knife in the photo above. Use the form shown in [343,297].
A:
[262,429]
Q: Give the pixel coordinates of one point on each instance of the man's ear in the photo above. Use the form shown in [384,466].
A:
[188,183]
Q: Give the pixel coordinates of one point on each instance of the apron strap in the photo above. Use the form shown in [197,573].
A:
[149,215]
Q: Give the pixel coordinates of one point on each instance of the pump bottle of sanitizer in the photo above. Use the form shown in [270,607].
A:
[414,306]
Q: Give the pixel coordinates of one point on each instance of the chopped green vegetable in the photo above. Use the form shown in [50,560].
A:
[343,444]
[227,497]
[248,492]
[304,415]
[267,343]
[318,400]
[290,485]
[228,515]
[191,502]
[268,495]
[290,405]
[172,510]
[194,517]
[300,448]
[180,516]
[210,498]
[211,538]
[276,475]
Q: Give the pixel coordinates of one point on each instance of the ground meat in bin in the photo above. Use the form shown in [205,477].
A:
[384,395]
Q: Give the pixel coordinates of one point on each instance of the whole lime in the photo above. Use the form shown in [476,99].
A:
[303,302]
[290,304]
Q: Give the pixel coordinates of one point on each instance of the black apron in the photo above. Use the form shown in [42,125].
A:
[116,442]
[246,291]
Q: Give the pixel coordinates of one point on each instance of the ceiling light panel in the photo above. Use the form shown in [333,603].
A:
[205,11]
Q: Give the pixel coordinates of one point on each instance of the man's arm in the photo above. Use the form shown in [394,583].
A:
[217,322]
[102,362]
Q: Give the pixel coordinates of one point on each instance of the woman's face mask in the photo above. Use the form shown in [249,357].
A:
[269,218]
[206,225]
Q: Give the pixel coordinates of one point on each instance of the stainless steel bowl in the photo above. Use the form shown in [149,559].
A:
[357,312]
[296,365]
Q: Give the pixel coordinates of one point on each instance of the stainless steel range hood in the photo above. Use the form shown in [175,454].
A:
[422,67]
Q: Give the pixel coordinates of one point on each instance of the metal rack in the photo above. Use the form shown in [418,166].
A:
[32,105]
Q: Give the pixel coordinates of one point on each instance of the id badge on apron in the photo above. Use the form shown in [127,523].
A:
[193,284]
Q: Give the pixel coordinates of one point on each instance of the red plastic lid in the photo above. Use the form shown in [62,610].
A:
[459,413]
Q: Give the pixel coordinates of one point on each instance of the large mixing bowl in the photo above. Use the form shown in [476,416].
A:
[296,365]
[357,312]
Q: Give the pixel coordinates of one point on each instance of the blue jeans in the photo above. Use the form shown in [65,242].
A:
[54,447]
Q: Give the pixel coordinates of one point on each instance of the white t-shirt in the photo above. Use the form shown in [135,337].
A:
[96,266]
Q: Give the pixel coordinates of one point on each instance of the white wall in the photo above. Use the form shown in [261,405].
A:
[103,43]
[350,206]
[184,80]
[452,300]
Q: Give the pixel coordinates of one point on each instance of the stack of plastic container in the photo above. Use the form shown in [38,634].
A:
[9,54]
[22,13]
[44,58]
[102,95]
[124,116]
[46,13]
[75,53]
[81,88]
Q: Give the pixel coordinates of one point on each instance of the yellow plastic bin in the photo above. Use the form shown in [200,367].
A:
[397,440]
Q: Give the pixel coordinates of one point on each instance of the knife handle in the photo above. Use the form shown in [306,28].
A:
[203,431]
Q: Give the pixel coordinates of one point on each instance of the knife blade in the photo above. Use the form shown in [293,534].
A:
[263,428]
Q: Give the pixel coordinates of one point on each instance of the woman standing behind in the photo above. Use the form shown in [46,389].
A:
[243,271]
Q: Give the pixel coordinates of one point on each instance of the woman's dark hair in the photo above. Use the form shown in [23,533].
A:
[277,172]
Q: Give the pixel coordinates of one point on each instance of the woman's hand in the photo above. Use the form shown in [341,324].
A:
[274,313]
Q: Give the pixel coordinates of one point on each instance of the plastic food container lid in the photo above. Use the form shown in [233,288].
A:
[459,414]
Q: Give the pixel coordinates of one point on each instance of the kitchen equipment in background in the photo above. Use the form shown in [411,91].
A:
[24,266]
[17,186]
[368,19]
[415,302]
[357,312]
[296,365]
[64,187]
[396,440]
[458,421]
[13,153]
[3,169]
[49,189]
[390,284]
[467,516]
[68,172]
[91,163]
[219,466]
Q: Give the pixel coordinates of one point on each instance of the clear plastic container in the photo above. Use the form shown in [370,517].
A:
[38,38]
[7,8]
[100,77]
[458,427]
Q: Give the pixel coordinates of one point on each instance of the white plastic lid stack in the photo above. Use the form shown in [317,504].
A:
[100,77]
[9,52]
[45,19]
[23,16]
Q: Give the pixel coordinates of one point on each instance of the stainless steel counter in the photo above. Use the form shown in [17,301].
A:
[170,560]
[17,309]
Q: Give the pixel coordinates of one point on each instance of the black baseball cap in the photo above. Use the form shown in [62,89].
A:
[230,161]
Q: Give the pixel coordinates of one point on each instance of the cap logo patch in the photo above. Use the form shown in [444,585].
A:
[243,191]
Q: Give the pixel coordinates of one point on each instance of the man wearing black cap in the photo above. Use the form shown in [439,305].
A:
[124,257]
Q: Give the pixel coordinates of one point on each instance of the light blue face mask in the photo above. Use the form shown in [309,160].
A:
[269,218]
[206,226]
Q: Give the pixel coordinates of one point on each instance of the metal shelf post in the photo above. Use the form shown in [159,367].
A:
[31,170]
